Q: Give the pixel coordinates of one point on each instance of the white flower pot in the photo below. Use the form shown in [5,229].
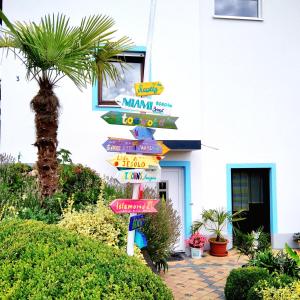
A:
[196,252]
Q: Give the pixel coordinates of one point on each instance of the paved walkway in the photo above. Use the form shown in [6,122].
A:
[201,279]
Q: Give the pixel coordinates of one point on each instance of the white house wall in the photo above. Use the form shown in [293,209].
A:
[234,84]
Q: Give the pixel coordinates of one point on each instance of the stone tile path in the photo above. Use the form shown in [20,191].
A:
[201,279]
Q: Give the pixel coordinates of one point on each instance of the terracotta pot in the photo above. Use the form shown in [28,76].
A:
[218,248]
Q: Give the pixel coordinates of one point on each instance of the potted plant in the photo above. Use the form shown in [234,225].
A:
[196,242]
[214,220]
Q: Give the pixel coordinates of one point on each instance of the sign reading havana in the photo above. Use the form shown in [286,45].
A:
[148,88]
[127,206]
[143,104]
[138,175]
[133,119]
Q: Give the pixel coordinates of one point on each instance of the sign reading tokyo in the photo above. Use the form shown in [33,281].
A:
[148,88]
[133,119]
[127,206]
[133,146]
[143,104]
[138,176]
[135,161]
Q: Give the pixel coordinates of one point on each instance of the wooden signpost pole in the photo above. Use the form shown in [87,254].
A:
[131,234]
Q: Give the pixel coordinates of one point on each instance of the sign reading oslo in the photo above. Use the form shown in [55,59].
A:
[134,161]
[127,206]
[133,119]
[143,104]
[148,88]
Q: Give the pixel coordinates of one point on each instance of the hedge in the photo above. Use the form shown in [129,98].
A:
[39,261]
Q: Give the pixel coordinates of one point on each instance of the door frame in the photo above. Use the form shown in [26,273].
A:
[187,212]
[273,197]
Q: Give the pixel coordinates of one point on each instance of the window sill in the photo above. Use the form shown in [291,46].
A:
[238,18]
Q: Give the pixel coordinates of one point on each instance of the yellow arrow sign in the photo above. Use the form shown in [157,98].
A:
[135,161]
[164,148]
[148,88]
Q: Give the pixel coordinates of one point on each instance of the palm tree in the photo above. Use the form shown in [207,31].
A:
[50,51]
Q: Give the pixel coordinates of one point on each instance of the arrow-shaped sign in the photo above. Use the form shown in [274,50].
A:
[135,161]
[133,146]
[164,148]
[133,119]
[148,88]
[144,104]
[142,133]
[138,176]
[127,206]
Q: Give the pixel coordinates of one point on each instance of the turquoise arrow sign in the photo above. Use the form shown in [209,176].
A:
[133,119]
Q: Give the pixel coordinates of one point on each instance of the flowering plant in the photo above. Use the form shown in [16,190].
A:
[196,240]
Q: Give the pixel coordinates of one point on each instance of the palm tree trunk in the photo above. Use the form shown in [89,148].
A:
[46,106]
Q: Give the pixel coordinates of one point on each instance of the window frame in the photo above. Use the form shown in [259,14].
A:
[258,18]
[129,57]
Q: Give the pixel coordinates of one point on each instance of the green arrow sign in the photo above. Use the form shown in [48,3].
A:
[133,119]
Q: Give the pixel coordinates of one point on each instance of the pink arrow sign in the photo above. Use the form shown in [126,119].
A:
[127,206]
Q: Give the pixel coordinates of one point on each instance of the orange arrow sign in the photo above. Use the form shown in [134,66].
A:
[164,148]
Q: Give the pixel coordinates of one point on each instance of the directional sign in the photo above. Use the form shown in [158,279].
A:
[148,88]
[136,222]
[142,133]
[133,146]
[134,161]
[126,206]
[138,176]
[144,104]
[133,119]
[164,148]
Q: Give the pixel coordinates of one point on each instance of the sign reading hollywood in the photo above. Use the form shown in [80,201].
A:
[143,104]
[128,206]
[148,88]
[134,161]
[133,146]
[138,176]
[134,119]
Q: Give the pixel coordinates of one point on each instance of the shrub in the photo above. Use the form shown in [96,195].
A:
[162,232]
[251,243]
[39,261]
[97,222]
[275,281]
[291,292]
[280,262]
[241,280]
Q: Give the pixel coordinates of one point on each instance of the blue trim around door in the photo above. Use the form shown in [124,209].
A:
[186,165]
[273,198]
[95,106]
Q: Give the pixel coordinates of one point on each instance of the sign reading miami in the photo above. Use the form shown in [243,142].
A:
[143,104]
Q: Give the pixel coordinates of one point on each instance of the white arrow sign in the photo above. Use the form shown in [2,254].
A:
[138,175]
[144,104]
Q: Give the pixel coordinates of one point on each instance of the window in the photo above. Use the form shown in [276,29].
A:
[163,190]
[237,8]
[132,73]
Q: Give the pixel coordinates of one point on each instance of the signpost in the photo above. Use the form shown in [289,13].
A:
[148,88]
[133,119]
[138,176]
[133,146]
[143,104]
[127,206]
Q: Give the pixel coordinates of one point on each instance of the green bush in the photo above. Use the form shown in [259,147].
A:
[275,281]
[291,292]
[241,280]
[162,231]
[279,262]
[97,222]
[39,261]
